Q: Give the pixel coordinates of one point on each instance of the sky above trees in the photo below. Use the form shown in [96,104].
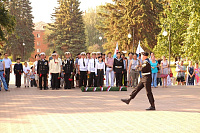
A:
[42,9]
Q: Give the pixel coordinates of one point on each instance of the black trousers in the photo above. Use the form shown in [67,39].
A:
[7,76]
[92,80]
[55,80]
[124,77]
[83,79]
[72,82]
[33,83]
[118,76]
[18,79]
[100,78]
[45,81]
[145,82]
[67,82]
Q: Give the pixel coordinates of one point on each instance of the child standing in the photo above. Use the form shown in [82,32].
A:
[100,71]
[26,70]
[32,77]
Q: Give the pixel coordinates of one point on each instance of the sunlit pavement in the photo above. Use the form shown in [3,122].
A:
[27,110]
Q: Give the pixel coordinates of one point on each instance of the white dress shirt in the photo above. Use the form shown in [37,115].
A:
[83,67]
[99,66]
[54,66]
[91,67]
[26,70]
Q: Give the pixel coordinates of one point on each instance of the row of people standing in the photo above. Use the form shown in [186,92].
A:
[117,68]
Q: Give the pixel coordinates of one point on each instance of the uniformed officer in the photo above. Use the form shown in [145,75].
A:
[91,70]
[118,67]
[145,82]
[82,70]
[67,69]
[43,70]
[18,70]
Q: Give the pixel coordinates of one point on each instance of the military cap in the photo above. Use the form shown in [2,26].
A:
[93,53]
[67,53]
[83,53]
[42,53]
[145,54]
[54,54]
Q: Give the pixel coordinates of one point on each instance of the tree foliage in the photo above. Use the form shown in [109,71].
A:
[181,20]
[68,30]
[7,21]
[91,20]
[23,32]
[123,16]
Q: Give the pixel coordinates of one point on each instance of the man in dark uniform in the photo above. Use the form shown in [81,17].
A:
[43,70]
[118,67]
[67,69]
[18,70]
[145,82]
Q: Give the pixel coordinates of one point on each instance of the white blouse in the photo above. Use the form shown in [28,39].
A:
[99,66]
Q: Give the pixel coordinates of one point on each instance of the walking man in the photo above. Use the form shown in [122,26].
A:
[8,70]
[145,82]
[2,74]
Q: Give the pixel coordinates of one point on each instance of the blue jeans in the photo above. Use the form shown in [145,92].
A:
[154,80]
[3,80]
[140,74]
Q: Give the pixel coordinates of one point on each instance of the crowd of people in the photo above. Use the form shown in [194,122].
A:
[92,69]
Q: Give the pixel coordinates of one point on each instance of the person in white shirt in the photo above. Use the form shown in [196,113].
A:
[91,70]
[26,71]
[57,57]
[37,57]
[54,69]
[100,71]
[109,69]
[82,70]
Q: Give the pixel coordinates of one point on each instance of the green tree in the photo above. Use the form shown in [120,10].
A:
[23,33]
[192,37]
[68,30]
[123,16]
[7,21]
[174,20]
[91,19]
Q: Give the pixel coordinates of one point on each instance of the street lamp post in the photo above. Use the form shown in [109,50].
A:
[169,39]
[101,38]
[24,50]
[129,36]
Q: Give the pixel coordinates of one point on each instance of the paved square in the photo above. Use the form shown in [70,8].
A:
[29,110]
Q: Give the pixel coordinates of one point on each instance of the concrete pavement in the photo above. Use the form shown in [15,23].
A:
[29,110]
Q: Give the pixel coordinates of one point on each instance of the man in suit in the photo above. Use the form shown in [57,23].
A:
[43,70]
[68,65]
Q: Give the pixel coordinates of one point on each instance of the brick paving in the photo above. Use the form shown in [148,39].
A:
[29,110]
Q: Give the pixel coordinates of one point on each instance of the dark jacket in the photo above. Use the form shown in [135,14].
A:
[118,65]
[18,68]
[43,67]
[68,65]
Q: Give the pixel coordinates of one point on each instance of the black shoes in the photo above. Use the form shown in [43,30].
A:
[127,101]
[151,108]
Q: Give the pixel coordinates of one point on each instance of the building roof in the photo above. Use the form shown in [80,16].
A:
[40,25]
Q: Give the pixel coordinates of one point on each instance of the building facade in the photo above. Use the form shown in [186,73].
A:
[40,44]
